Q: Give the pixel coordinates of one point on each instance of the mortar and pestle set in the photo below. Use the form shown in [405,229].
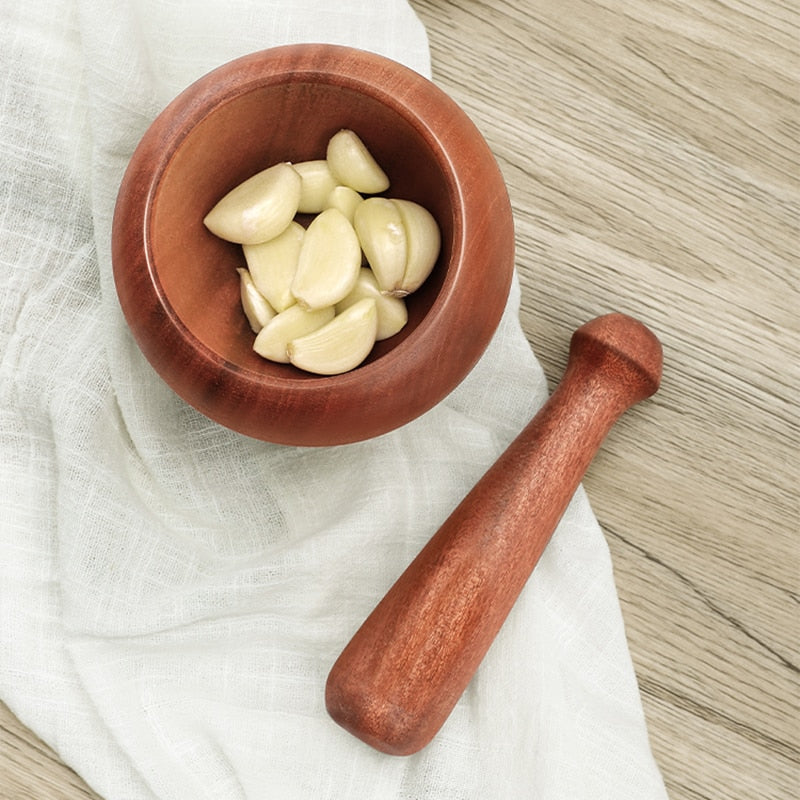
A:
[397,680]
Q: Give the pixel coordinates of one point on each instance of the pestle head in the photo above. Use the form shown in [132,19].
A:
[623,349]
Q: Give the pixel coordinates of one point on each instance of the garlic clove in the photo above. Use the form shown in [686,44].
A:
[353,165]
[392,311]
[256,308]
[317,184]
[380,231]
[345,199]
[329,261]
[424,241]
[259,208]
[273,264]
[273,339]
[341,344]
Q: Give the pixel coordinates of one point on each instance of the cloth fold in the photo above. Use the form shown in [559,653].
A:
[172,594]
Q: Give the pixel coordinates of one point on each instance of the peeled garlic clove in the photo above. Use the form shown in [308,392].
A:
[256,308]
[392,311]
[345,199]
[273,263]
[330,257]
[380,230]
[317,184]
[424,240]
[259,208]
[273,339]
[341,344]
[353,165]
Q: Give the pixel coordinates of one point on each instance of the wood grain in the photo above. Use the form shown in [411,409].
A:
[30,770]
[651,153]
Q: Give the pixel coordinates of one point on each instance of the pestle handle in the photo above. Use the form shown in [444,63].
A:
[397,680]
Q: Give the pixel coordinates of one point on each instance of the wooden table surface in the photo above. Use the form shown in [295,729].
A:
[651,153]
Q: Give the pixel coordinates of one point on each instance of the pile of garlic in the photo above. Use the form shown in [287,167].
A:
[320,297]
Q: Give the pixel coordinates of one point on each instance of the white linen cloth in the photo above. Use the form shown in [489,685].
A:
[173,594]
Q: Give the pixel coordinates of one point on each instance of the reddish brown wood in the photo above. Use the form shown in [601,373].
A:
[400,676]
[178,285]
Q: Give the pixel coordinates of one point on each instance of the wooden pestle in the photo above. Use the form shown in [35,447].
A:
[396,682]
